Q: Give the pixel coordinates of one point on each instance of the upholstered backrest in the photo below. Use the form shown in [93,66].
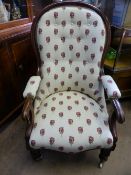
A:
[71,40]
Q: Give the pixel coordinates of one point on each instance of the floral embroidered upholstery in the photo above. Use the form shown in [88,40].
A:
[70,122]
[110,87]
[70,42]
[70,109]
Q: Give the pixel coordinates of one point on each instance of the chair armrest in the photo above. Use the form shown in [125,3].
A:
[32,86]
[28,112]
[110,87]
[28,115]
[119,113]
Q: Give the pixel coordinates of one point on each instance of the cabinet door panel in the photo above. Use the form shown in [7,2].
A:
[7,88]
[25,62]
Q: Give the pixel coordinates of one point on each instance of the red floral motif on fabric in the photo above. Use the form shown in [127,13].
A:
[99,130]
[55,31]
[47,39]
[43,116]
[88,121]
[70,47]
[52,122]
[69,107]
[69,76]
[78,114]
[88,15]
[86,108]
[42,132]
[48,84]
[76,83]
[70,121]
[48,55]
[72,14]
[95,114]
[35,125]
[52,140]
[63,39]
[55,14]
[94,40]
[60,102]
[55,89]
[40,47]
[40,31]
[56,62]
[90,85]
[52,109]
[63,23]
[85,47]
[71,140]
[61,114]
[91,139]
[80,130]
[48,70]
[62,69]
[80,148]
[109,141]
[47,22]
[84,62]
[102,32]
[55,47]
[95,23]
[54,98]
[79,23]
[87,31]
[76,102]
[84,77]
[61,130]
[92,70]
[71,31]
[77,69]
[62,83]
[55,76]
[92,56]
[33,142]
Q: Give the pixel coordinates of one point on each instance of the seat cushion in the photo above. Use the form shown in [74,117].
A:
[70,121]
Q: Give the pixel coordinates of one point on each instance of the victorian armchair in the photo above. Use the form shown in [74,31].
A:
[65,104]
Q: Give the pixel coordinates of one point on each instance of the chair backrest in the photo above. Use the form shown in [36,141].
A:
[71,39]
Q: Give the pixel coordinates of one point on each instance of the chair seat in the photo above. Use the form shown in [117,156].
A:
[70,121]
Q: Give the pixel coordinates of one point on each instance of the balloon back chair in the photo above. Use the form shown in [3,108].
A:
[65,104]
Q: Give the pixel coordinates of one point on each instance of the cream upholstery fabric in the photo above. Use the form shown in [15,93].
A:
[71,42]
[32,86]
[110,86]
[70,122]
[70,109]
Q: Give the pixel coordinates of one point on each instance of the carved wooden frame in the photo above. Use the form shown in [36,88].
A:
[28,113]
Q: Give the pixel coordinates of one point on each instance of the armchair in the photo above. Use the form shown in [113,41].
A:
[65,106]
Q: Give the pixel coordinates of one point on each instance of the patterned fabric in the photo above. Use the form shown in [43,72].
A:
[110,87]
[70,109]
[71,42]
[32,86]
[70,122]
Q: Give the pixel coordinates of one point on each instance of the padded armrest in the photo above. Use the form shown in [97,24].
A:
[110,87]
[32,86]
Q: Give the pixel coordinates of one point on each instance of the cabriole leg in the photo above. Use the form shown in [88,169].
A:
[36,154]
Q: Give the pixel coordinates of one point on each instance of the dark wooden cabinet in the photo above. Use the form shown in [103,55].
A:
[17,64]
[17,59]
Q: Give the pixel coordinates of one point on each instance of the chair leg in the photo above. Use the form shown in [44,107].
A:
[36,154]
[104,154]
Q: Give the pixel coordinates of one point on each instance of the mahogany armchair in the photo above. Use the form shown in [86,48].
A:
[65,105]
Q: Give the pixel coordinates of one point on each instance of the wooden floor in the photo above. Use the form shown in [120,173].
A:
[16,160]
